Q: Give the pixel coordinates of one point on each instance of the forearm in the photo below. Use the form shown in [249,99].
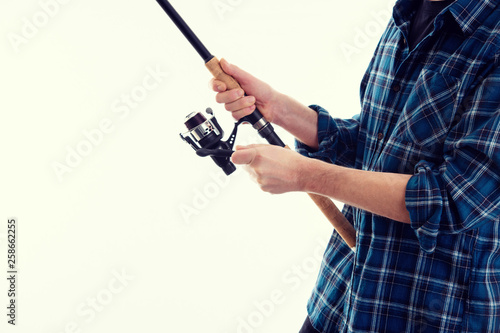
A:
[298,119]
[377,192]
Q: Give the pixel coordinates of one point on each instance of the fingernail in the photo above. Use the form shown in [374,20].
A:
[218,87]
[241,92]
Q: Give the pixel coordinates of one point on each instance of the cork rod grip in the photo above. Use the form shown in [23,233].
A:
[343,227]
[325,204]
[217,72]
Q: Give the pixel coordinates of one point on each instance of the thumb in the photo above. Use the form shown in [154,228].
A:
[244,155]
[237,73]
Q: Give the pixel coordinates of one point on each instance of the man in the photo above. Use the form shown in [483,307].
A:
[418,170]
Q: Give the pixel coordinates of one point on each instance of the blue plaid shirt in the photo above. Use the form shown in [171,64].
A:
[434,113]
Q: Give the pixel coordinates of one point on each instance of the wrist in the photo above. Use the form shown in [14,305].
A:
[316,176]
[296,118]
[280,105]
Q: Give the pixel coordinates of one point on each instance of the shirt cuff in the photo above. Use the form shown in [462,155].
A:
[423,200]
[327,147]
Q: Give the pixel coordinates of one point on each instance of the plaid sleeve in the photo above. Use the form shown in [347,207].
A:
[463,192]
[337,139]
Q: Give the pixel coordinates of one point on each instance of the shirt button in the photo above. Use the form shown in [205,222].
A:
[396,88]
[380,136]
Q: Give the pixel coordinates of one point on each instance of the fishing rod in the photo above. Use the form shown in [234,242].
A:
[205,135]
[264,128]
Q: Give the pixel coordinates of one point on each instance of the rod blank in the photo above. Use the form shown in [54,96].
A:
[186,30]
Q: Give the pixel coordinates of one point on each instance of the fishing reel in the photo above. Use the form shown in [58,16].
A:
[205,135]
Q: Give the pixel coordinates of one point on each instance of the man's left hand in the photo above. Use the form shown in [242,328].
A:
[276,169]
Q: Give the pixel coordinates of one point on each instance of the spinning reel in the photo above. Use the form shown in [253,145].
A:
[205,137]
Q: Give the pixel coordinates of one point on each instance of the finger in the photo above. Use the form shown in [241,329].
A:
[229,96]
[243,112]
[244,156]
[217,85]
[244,102]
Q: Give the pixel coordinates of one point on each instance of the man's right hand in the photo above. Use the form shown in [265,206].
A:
[276,107]
[258,94]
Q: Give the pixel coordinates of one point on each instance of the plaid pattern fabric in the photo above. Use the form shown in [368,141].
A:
[433,113]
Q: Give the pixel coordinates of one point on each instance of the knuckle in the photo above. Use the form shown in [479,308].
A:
[236,94]
[237,115]
[219,98]
[218,85]
[245,103]
[258,171]
[248,110]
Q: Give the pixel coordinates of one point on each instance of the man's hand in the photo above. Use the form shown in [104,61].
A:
[276,107]
[259,94]
[277,170]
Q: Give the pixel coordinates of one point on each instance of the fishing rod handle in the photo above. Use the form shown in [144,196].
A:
[264,128]
[218,73]
[339,222]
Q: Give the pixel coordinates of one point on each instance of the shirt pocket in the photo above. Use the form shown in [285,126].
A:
[429,110]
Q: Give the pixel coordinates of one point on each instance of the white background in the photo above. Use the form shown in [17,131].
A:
[119,211]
